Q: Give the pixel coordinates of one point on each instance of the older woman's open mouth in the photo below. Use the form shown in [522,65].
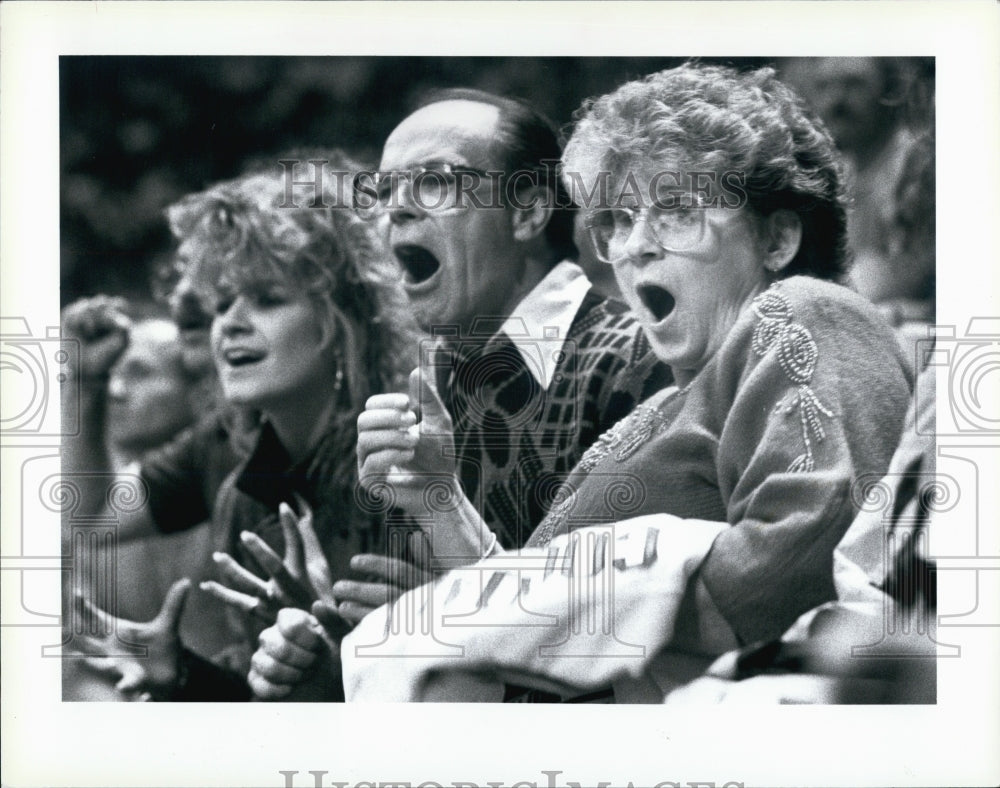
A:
[419,264]
[658,300]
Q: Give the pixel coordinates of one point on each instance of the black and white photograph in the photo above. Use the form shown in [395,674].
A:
[351,362]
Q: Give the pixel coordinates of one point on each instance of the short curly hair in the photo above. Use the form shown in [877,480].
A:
[703,118]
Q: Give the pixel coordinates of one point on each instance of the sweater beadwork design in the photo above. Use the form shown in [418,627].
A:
[797,355]
[625,438]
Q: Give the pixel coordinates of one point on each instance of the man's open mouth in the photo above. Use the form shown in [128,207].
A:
[657,300]
[418,263]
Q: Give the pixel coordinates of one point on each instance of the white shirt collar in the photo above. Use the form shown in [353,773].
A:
[539,325]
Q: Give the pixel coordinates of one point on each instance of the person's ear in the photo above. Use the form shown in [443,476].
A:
[782,239]
[532,210]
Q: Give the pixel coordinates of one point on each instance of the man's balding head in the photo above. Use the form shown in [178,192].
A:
[471,206]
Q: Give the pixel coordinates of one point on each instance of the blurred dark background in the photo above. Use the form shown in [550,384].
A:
[137,133]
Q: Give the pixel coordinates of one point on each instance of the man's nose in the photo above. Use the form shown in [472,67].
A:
[187,302]
[186,305]
[116,387]
[402,206]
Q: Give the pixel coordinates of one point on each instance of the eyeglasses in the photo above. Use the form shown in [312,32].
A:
[676,229]
[434,188]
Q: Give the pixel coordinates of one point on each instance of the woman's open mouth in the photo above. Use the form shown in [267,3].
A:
[658,300]
[242,357]
[418,263]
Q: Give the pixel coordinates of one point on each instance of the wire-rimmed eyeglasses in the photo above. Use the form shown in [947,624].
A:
[433,188]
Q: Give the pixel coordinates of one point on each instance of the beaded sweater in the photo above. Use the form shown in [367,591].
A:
[807,394]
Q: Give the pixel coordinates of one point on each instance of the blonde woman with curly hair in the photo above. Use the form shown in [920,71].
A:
[308,323]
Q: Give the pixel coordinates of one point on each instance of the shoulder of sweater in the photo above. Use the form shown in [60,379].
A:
[826,309]
[839,324]
[838,318]
[809,294]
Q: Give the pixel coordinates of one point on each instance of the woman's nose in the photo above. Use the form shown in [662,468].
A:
[641,244]
[234,319]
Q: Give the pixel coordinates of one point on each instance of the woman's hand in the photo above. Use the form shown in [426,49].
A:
[404,450]
[157,673]
[298,658]
[387,579]
[296,582]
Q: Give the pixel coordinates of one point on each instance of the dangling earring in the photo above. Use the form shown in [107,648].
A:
[338,381]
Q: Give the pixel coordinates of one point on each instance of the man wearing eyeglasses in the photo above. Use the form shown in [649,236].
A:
[527,365]
[531,364]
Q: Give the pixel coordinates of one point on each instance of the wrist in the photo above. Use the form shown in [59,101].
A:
[480,539]
[492,543]
[88,395]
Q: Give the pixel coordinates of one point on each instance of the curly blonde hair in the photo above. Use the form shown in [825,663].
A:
[703,118]
[274,224]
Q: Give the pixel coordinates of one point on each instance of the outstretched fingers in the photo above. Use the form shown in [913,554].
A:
[96,654]
[295,559]
[239,578]
[368,594]
[391,570]
[317,569]
[95,621]
[290,591]
[168,619]
[247,603]
[353,612]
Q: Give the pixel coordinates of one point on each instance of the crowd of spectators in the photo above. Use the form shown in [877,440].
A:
[619,377]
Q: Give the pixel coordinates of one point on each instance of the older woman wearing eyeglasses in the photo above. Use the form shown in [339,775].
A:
[725,226]
[717,198]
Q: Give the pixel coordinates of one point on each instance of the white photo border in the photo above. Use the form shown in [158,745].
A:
[47,742]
